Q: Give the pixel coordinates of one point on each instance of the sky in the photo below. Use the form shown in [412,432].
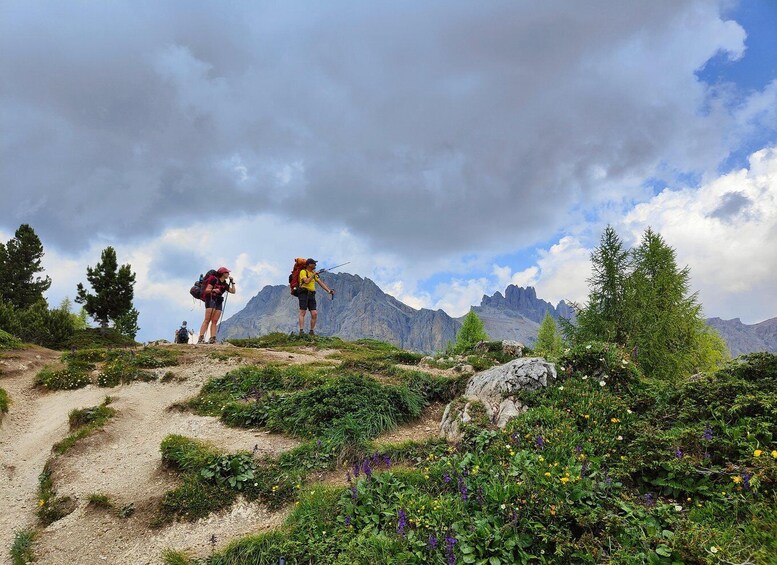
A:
[445,149]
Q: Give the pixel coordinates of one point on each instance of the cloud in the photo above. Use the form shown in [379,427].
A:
[462,127]
[724,231]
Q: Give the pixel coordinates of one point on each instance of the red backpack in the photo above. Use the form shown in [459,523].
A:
[198,288]
[299,264]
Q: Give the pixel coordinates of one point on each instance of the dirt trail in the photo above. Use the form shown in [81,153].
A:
[122,462]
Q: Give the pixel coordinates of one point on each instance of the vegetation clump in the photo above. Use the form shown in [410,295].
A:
[7,341]
[23,548]
[66,378]
[50,506]
[5,402]
[84,422]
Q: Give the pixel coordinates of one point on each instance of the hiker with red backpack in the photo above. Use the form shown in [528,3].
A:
[306,292]
[215,288]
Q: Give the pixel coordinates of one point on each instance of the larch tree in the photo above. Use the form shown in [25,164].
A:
[20,265]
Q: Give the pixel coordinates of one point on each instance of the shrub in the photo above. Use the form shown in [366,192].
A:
[99,501]
[7,341]
[50,506]
[173,557]
[91,338]
[84,422]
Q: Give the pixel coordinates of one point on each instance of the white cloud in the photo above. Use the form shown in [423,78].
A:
[725,231]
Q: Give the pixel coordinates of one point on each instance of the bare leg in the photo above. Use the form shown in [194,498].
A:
[204,326]
[214,320]
[301,320]
[313,318]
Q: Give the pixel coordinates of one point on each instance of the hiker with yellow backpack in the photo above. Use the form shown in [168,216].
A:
[306,292]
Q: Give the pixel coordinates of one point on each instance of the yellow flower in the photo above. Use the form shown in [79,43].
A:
[564,480]
[757,452]
[614,420]
[737,479]
[41,502]
[547,474]
[774,453]
[586,416]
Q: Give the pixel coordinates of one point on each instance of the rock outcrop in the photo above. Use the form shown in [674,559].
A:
[747,338]
[495,389]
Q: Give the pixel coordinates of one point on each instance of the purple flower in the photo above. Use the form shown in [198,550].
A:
[432,543]
[450,542]
[347,521]
[354,492]
[356,469]
[465,472]
[678,453]
[387,460]
[746,481]
[649,500]
[446,478]
[401,522]
[516,437]
[463,489]
[367,469]
[479,496]
[348,477]
[578,449]
[540,442]
[707,435]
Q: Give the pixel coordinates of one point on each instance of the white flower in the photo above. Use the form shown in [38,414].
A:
[502,507]
[585,377]
[619,438]
[588,346]
[602,383]
[678,508]
[561,388]
[629,410]
[713,549]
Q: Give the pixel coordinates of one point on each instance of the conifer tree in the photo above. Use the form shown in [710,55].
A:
[548,338]
[472,331]
[113,288]
[20,262]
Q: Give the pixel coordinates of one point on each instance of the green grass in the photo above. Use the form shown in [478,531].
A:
[91,338]
[101,501]
[174,557]
[84,422]
[5,402]
[62,379]
[50,506]
[23,548]
[629,471]
[8,341]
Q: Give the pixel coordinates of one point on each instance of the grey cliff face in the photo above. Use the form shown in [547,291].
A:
[360,309]
[747,338]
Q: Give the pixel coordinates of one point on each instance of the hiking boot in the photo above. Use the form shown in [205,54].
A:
[212,339]
[201,339]
[302,332]
[311,332]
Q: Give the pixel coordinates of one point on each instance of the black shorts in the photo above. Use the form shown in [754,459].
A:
[307,299]
[216,303]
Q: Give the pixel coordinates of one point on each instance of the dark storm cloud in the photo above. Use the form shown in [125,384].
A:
[176,263]
[450,124]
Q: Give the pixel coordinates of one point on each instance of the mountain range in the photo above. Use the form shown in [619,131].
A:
[360,309]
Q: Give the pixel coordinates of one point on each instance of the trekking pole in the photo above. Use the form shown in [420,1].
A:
[335,267]
[224,309]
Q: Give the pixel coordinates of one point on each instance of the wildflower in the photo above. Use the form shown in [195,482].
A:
[547,474]
[356,469]
[564,480]
[540,442]
[757,452]
[432,543]
[367,468]
[678,508]
[450,542]
[387,460]
[446,478]
[348,477]
[586,416]
[678,453]
[502,506]
[746,481]
[649,500]
[707,435]
[585,377]
[615,420]
[401,522]
[347,521]
[629,411]
[41,503]
[588,346]
[737,479]
[479,496]
[463,489]
[774,453]
[602,383]
[619,438]
[561,388]
[354,492]
[578,449]
[516,437]
[713,549]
